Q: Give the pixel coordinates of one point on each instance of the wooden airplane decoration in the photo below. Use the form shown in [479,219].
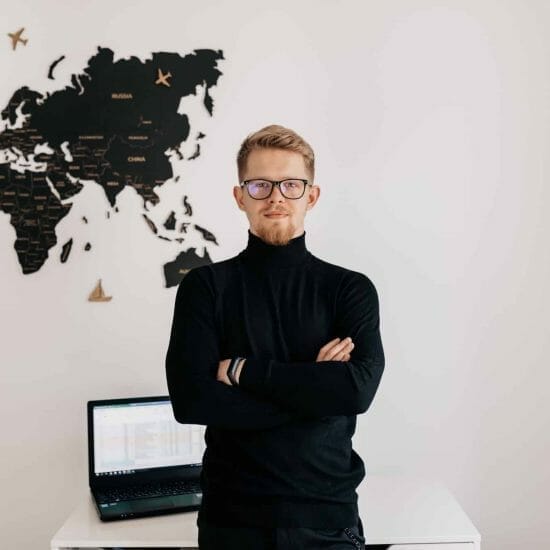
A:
[163,78]
[16,38]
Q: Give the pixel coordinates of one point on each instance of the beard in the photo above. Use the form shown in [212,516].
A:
[277,234]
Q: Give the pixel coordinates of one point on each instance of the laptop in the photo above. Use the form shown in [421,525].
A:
[141,461]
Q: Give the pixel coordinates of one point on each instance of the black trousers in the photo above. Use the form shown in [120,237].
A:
[280,538]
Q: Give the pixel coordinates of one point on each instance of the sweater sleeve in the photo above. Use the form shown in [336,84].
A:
[192,360]
[329,388]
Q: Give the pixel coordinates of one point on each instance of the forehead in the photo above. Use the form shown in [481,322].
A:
[275,163]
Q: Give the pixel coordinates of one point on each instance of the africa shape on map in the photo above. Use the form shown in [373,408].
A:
[113,125]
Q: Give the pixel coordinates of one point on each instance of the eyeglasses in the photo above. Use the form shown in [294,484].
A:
[262,189]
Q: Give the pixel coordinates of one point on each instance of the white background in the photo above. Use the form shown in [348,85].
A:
[430,124]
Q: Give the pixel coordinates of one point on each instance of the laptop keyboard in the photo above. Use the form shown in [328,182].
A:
[148,490]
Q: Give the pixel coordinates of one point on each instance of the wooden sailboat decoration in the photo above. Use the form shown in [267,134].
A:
[98,295]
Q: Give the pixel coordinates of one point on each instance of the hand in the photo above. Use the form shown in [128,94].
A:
[223,367]
[336,350]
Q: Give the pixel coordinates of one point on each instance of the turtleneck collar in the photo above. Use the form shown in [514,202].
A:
[259,253]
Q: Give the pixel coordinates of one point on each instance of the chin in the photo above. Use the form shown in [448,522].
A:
[276,232]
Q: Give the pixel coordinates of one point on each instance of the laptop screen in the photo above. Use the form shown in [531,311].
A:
[137,436]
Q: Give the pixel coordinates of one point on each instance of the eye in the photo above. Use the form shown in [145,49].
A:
[293,183]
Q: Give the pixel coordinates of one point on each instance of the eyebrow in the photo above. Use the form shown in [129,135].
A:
[283,178]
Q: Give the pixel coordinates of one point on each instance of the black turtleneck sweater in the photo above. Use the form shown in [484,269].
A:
[279,445]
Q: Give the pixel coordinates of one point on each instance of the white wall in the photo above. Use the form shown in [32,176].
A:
[430,124]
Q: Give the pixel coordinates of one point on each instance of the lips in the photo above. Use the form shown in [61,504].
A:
[276,213]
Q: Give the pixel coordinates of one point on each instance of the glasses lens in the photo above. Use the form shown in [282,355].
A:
[292,189]
[259,189]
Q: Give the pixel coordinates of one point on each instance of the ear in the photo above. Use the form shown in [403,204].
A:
[313,196]
[238,194]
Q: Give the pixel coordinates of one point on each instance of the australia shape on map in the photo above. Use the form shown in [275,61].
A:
[113,125]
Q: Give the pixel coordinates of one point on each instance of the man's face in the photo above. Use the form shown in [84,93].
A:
[276,164]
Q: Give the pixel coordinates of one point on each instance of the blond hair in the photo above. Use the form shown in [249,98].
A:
[279,137]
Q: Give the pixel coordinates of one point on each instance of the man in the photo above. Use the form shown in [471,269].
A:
[276,351]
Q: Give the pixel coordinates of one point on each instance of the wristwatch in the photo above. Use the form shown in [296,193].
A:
[233,369]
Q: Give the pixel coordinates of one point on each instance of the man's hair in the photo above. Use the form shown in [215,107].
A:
[276,136]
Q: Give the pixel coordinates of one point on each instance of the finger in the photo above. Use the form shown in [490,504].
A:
[328,351]
[329,344]
[345,351]
[327,348]
[346,341]
[341,345]
[346,357]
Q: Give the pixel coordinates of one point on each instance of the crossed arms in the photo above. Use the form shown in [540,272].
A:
[271,392]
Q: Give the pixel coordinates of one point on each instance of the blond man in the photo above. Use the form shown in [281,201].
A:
[276,351]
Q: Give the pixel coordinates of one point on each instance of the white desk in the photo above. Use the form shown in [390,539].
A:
[402,512]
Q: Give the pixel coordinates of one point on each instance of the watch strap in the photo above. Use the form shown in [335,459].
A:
[233,369]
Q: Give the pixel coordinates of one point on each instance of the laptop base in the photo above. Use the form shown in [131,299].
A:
[143,507]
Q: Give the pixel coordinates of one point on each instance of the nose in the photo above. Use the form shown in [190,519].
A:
[276,195]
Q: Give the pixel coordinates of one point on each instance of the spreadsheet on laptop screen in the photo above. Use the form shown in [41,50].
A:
[136,436]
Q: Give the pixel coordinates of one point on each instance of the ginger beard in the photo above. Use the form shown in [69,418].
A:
[276,231]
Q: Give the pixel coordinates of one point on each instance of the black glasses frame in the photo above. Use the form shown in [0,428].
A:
[273,184]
